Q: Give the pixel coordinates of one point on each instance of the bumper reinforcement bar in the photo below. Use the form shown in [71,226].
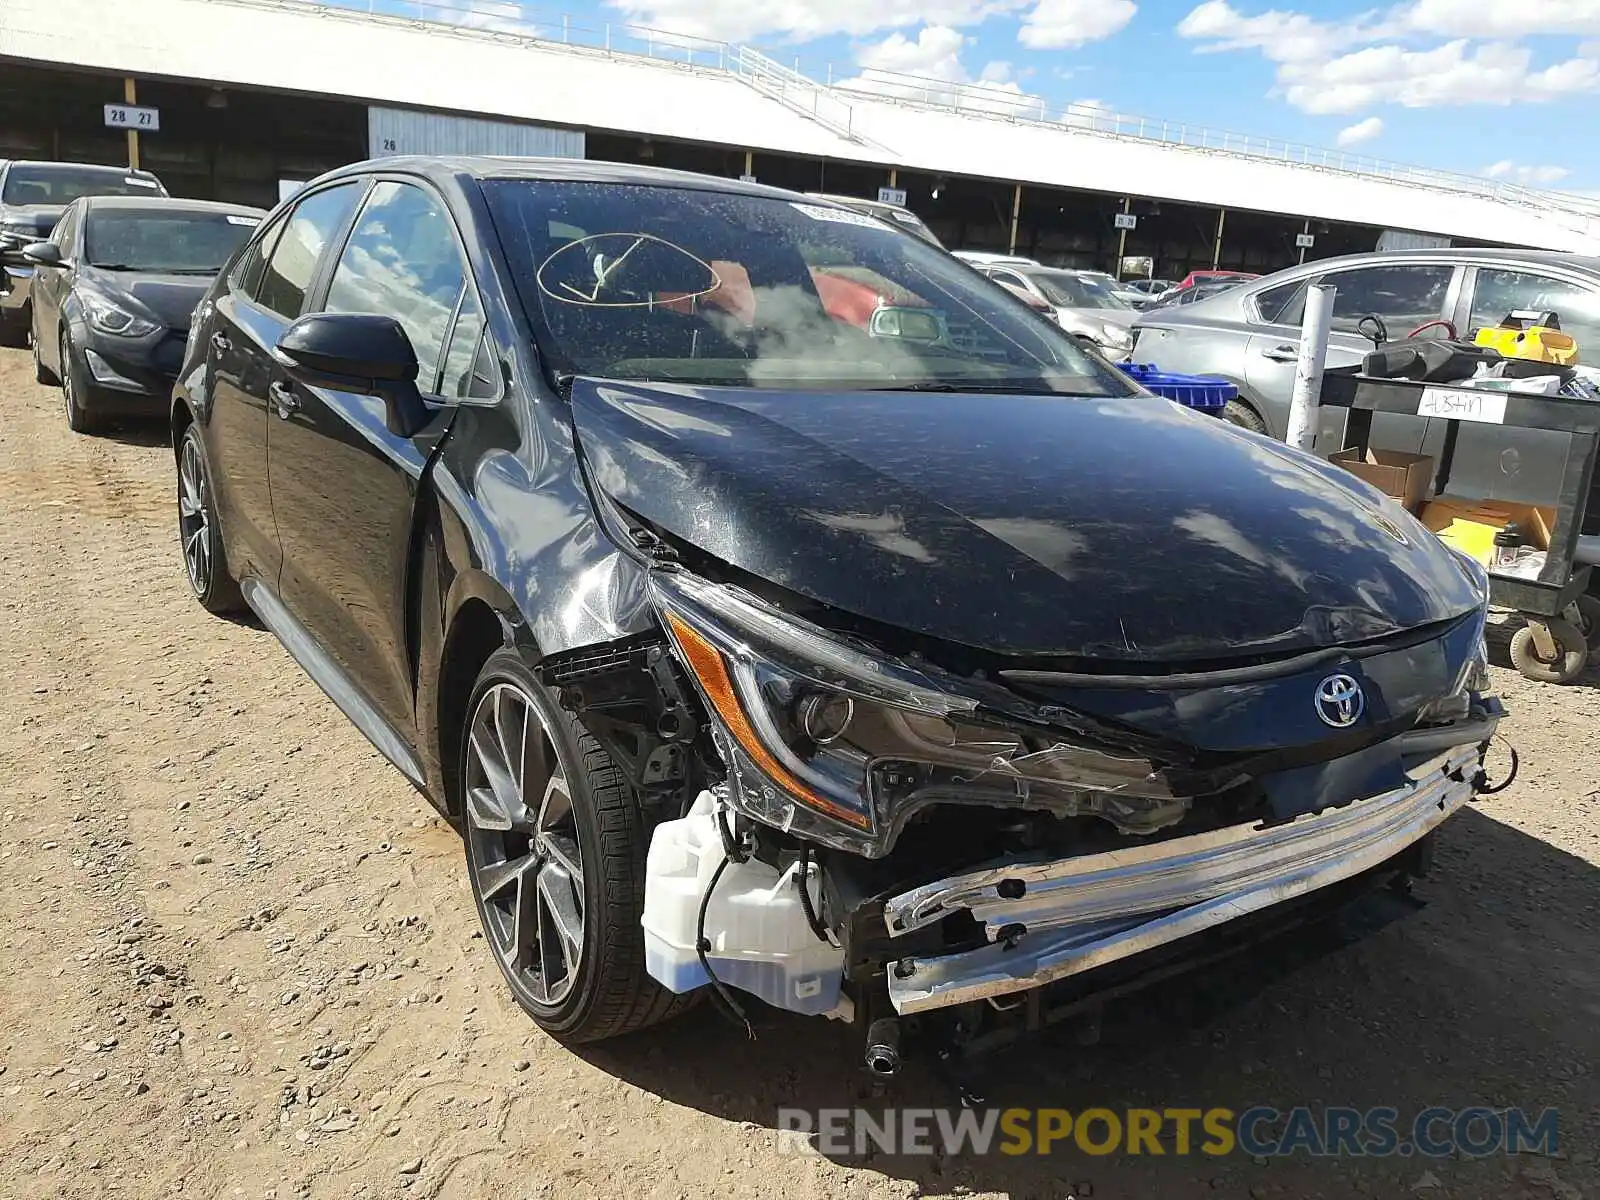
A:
[1050,920]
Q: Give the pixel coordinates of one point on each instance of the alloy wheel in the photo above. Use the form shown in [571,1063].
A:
[69,386]
[194,521]
[526,862]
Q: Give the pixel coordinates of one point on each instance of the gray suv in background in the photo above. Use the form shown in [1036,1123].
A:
[1250,334]
[33,195]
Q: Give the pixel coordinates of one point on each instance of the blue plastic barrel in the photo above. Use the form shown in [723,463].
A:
[1192,391]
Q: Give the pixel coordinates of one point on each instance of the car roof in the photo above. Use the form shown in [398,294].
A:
[864,201]
[166,204]
[77,166]
[1463,254]
[483,167]
[990,258]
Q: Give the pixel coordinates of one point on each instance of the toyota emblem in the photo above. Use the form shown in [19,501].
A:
[1340,701]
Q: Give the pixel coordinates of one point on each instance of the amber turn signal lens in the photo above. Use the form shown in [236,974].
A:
[709,667]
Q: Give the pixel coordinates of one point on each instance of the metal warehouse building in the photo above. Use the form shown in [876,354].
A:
[252,96]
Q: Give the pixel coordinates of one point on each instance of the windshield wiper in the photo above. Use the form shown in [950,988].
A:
[942,386]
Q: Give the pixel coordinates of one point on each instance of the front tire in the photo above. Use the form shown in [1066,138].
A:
[555,854]
[205,561]
[79,419]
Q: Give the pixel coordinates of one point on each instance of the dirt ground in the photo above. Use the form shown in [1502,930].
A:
[238,956]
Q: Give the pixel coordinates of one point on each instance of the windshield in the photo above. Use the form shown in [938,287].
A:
[189,243]
[1067,289]
[682,285]
[46,184]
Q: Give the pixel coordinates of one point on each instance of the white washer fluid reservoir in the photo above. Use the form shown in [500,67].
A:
[760,939]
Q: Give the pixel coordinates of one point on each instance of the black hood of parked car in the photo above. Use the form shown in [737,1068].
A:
[170,299]
[1123,529]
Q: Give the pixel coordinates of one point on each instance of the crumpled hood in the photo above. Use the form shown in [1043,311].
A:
[1126,529]
[171,299]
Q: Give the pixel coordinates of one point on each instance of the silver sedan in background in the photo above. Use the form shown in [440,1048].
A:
[1250,335]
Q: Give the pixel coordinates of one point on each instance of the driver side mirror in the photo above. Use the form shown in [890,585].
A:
[43,254]
[357,352]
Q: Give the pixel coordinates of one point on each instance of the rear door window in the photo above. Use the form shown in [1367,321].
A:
[1500,292]
[61,237]
[311,225]
[1404,295]
[246,274]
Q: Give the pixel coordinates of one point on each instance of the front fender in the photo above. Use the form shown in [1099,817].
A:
[523,543]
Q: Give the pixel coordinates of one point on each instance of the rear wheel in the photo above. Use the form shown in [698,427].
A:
[79,420]
[199,536]
[556,853]
[1237,412]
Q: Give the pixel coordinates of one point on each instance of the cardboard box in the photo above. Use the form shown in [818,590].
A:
[1470,525]
[1404,477]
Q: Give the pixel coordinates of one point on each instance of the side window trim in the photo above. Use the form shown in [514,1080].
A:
[1466,298]
[437,391]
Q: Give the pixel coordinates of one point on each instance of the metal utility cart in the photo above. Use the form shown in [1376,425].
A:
[1562,621]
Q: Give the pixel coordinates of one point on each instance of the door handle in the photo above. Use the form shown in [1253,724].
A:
[220,343]
[1283,354]
[284,399]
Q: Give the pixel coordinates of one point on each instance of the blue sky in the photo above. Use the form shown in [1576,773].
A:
[1507,88]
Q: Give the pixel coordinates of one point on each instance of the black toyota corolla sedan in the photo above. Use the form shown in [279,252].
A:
[113,291]
[783,611]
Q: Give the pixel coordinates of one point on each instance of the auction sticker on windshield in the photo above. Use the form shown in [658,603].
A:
[840,216]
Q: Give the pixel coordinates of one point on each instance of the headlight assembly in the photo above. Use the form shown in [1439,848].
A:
[840,746]
[108,316]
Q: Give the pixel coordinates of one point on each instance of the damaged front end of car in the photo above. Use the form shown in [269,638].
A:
[847,830]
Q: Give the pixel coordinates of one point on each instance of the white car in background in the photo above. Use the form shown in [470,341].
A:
[1088,304]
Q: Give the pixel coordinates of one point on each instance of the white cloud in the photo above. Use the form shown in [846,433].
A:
[1456,73]
[1090,114]
[1280,36]
[1361,131]
[928,67]
[802,20]
[1061,24]
[1345,66]
[1535,176]
[1493,19]
[935,53]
